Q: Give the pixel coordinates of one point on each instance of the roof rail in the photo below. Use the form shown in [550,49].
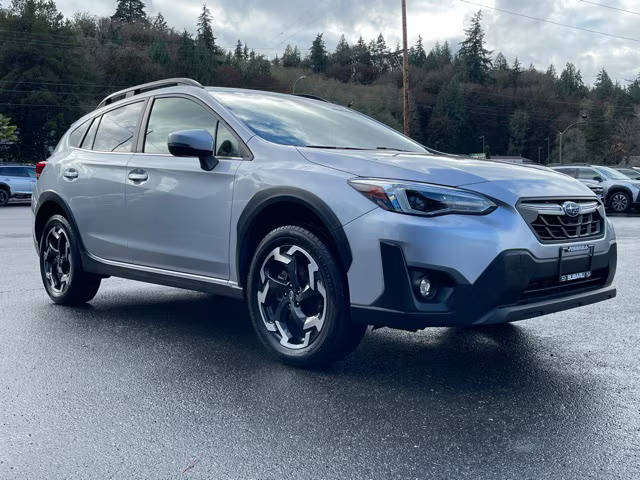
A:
[146,87]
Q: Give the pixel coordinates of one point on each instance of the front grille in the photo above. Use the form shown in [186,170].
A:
[550,223]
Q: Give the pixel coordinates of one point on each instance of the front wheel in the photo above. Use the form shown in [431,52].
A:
[61,266]
[298,299]
[620,202]
[4,197]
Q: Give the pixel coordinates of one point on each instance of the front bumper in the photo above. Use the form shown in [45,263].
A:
[515,286]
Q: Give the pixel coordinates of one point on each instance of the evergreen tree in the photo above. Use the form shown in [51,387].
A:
[361,52]
[474,58]
[205,30]
[186,58]
[318,55]
[158,52]
[291,57]
[598,133]
[39,57]
[342,56]
[380,54]
[130,11]
[516,71]
[238,54]
[417,54]
[551,72]
[604,87]
[519,124]
[160,24]
[571,83]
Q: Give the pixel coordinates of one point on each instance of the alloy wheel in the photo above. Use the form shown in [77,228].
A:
[4,197]
[292,298]
[619,202]
[56,259]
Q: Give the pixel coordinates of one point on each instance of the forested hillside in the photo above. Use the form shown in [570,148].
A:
[54,69]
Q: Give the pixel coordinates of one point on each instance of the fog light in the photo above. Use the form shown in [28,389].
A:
[424,287]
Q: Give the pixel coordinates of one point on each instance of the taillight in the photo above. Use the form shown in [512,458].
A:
[39,168]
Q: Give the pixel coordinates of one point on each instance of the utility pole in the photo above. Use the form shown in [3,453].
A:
[548,150]
[405,67]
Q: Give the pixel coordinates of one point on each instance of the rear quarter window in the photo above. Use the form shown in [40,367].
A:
[76,136]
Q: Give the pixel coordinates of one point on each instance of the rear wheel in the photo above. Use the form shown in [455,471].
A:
[620,202]
[4,197]
[61,265]
[298,300]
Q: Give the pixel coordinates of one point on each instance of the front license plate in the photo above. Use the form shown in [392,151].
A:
[575,263]
[572,277]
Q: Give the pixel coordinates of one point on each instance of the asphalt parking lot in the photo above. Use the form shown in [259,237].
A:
[157,383]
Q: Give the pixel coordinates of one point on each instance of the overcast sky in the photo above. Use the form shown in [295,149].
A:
[268,25]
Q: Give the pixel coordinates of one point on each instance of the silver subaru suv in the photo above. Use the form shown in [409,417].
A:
[324,220]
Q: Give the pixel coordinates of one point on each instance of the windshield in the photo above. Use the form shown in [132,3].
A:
[288,120]
[611,173]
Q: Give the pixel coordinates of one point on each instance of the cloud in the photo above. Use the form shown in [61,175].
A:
[268,25]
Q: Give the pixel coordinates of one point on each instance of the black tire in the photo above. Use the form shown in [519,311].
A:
[4,197]
[80,286]
[619,202]
[337,336]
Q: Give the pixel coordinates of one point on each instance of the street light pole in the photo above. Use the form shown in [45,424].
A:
[293,88]
[579,122]
[405,67]
[482,138]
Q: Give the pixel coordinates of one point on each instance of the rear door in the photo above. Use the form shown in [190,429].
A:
[178,215]
[94,175]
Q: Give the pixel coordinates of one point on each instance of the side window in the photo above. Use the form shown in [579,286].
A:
[31,172]
[587,174]
[77,135]
[227,144]
[19,172]
[87,143]
[567,171]
[171,114]
[4,172]
[117,129]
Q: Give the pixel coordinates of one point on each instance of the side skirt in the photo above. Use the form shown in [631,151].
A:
[157,276]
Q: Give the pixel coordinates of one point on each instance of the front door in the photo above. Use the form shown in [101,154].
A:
[178,215]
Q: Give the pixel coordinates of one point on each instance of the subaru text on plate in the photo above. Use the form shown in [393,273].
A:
[324,220]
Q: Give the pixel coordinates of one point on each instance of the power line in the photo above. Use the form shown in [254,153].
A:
[611,7]
[552,22]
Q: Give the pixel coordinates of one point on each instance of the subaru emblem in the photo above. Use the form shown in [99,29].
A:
[571,209]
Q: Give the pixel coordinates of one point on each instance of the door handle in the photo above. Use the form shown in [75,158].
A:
[70,174]
[138,175]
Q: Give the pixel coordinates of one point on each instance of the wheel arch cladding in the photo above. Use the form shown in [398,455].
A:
[49,204]
[281,206]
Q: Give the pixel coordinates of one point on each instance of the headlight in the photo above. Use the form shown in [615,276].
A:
[422,198]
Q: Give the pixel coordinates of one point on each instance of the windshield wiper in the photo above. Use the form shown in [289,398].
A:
[394,149]
[331,147]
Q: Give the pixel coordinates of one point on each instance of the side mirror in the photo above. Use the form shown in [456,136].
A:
[598,179]
[193,143]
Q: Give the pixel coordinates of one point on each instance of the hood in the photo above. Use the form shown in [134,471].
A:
[505,181]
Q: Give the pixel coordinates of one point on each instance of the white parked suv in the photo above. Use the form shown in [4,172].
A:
[324,220]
